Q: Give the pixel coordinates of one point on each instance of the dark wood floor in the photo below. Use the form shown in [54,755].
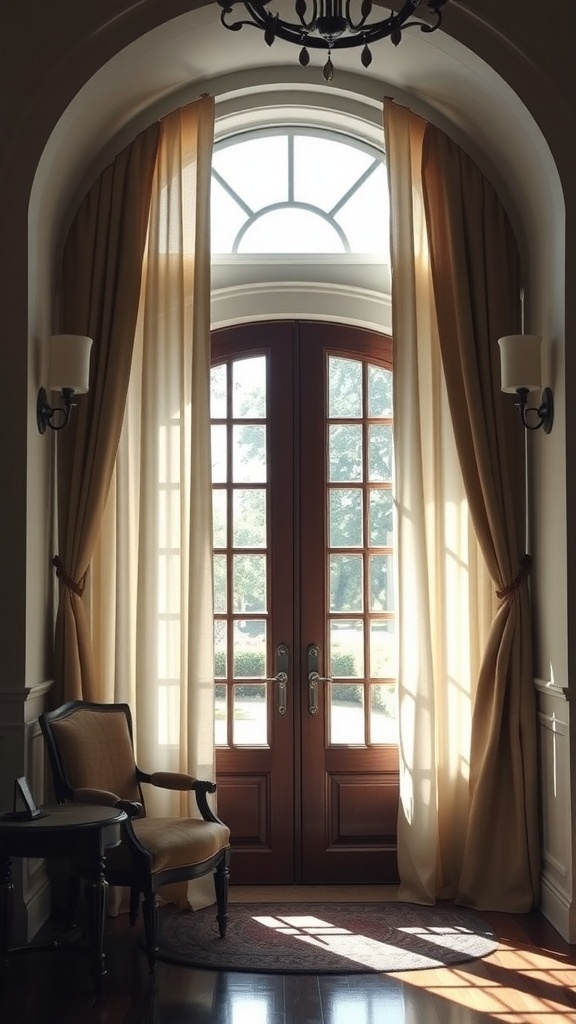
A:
[530,979]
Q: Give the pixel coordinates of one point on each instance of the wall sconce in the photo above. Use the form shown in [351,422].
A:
[521,373]
[68,373]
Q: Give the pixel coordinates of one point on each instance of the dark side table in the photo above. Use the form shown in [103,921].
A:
[64,830]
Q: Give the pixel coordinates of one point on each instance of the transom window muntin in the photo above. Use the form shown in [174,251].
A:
[299,190]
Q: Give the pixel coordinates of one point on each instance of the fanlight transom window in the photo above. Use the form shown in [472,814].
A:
[294,190]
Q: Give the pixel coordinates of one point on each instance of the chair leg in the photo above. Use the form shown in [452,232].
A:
[150,915]
[134,904]
[221,878]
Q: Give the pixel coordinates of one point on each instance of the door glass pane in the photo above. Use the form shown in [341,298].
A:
[379,392]
[340,184]
[291,229]
[219,518]
[383,657]
[345,453]
[240,557]
[218,442]
[347,713]
[360,583]
[220,715]
[249,640]
[346,654]
[383,713]
[218,392]
[220,589]
[168,715]
[249,583]
[249,454]
[236,163]
[220,652]
[249,726]
[381,583]
[249,388]
[249,518]
[380,519]
[365,207]
[169,516]
[168,652]
[344,388]
[380,466]
[226,224]
[168,583]
[346,523]
[345,166]
[346,574]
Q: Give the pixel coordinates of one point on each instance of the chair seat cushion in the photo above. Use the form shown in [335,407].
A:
[178,842]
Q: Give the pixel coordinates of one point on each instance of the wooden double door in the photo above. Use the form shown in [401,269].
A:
[305,662]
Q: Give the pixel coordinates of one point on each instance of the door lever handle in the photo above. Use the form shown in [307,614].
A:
[314,678]
[281,677]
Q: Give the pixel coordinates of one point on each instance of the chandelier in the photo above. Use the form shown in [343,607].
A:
[332,25]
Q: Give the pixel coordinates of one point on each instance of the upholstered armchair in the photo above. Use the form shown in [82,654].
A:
[91,753]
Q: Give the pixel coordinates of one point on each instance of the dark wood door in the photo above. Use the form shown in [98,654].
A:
[307,762]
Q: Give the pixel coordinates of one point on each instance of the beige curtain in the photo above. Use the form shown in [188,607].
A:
[444,597]
[476,275]
[151,595]
[101,287]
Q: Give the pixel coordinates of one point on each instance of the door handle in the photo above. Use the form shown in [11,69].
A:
[314,678]
[281,677]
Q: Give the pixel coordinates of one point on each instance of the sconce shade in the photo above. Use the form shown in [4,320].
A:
[69,362]
[520,362]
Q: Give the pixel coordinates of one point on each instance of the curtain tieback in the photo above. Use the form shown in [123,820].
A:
[76,588]
[521,575]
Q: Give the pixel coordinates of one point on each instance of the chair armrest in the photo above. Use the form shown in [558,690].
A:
[181,781]
[106,799]
[172,780]
[201,789]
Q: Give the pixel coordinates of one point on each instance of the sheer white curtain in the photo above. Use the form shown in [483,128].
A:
[151,597]
[445,602]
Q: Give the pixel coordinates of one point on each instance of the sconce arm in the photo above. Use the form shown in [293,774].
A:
[45,412]
[544,411]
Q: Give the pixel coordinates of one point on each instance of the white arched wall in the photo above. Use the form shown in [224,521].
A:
[122,75]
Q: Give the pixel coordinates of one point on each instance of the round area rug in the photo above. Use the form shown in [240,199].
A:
[325,938]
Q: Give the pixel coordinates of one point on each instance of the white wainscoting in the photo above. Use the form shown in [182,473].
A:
[556,895]
[22,753]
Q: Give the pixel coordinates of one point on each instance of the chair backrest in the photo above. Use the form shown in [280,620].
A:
[90,746]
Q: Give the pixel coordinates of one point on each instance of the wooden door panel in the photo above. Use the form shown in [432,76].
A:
[256,783]
[244,804]
[262,835]
[350,792]
[301,807]
[361,808]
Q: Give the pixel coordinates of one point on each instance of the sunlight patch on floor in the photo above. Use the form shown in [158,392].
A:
[538,979]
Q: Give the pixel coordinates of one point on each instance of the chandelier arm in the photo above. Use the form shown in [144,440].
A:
[357,26]
[261,18]
[425,26]
[301,9]
[330,29]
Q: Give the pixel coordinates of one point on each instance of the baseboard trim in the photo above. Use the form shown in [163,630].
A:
[29,916]
[557,908]
[313,893]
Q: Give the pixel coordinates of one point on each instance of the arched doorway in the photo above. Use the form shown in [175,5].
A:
[58,179]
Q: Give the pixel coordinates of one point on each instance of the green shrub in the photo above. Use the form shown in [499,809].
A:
[343,665]
[247,665]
